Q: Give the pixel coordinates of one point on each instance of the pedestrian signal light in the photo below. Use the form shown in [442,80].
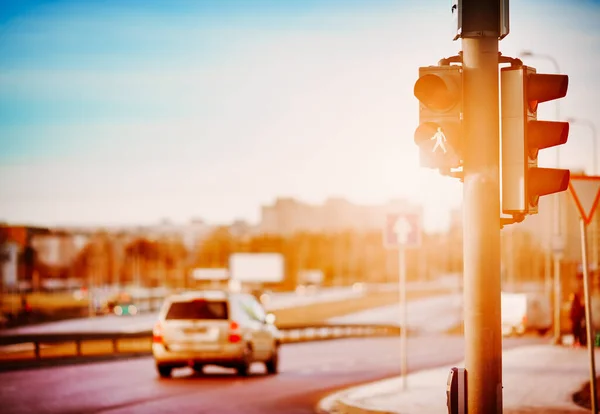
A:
[523,182]
[439,91]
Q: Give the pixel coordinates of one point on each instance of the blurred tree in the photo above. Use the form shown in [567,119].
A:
[141,256]
[215,250]
[267,243]
[172,255]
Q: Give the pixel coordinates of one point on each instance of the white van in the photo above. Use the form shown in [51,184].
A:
[523,312]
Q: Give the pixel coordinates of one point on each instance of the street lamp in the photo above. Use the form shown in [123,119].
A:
[556,245]
[592,127]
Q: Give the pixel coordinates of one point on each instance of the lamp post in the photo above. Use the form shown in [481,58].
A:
[556,245]
[592,127]
[594,233]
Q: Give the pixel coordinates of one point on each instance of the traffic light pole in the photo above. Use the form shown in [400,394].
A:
[557,256]
[589,324]
[481,198]
[403,317]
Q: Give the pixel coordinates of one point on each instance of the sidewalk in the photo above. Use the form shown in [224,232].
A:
[536,379]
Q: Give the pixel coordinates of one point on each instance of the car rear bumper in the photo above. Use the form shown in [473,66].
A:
[228,354]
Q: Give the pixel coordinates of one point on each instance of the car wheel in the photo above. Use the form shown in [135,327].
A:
[164,372]
[272,364]
[543,331]
[244,368]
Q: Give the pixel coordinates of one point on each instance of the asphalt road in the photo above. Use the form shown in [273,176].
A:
[426,315]
[309,371]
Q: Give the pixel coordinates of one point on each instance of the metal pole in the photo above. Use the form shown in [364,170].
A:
[558,247]
[481,195]
[557,284]
[91,270]
[588,316]
[558,238]
[548,270]
[403,316]
[595,235]
[595,222]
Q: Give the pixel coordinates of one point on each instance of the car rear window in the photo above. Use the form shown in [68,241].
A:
[198,309]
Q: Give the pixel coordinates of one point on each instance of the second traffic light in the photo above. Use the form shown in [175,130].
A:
[439,134]
[523,183]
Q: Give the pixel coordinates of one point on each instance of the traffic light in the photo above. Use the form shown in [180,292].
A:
[523,182]
[439,134]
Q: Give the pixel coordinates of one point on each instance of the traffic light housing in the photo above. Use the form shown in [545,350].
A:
[439,134]
[523,182]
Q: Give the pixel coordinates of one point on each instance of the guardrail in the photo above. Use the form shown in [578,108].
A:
[27,348]
[319,332]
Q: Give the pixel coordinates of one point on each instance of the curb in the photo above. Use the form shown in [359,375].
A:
[341,402]
[344,407]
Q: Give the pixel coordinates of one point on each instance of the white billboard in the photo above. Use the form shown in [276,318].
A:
[210,274]
[256,267]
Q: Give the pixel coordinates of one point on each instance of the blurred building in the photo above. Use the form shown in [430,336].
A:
[288,216]
[241,229]
[18,255]
[190,233]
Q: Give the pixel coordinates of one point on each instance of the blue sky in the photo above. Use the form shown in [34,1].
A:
[129,111]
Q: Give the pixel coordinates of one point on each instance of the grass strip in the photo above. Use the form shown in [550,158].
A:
[43,301]
[316,313]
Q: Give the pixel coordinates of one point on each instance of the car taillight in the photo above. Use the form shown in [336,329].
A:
[157,334]
[234,334]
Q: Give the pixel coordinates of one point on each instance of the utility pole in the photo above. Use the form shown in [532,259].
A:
[482,284]
[481,29]
[459,134]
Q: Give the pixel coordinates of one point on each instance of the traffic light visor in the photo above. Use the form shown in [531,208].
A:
[436,92]
[546,87]
[546,134]
[545,181]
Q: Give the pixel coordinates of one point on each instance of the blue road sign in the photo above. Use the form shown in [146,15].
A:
[402,229]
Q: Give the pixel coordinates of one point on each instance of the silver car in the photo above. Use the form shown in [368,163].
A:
[214,328]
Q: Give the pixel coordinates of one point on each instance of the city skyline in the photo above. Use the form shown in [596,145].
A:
[113,113]
[333,214]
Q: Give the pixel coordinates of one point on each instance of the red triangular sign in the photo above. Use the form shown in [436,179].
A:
[586,194]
